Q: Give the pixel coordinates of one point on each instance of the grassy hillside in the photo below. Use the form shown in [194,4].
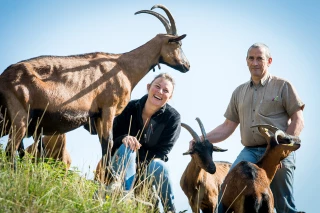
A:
[47,187]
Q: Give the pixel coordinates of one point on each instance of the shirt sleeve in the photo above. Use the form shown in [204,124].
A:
[232,112]
[168,138]
[291,99]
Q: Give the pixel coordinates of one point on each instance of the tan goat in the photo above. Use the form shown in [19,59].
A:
[55,147]
[54,94]
[203,177]
[247,186]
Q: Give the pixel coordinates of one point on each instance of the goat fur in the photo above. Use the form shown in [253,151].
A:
[202,178]
[247,186]
[56,94]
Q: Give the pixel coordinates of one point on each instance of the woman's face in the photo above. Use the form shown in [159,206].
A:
[160,91]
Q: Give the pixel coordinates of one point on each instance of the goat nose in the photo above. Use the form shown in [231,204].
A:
[186,66]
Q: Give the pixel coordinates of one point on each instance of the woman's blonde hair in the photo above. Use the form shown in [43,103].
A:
[165,76]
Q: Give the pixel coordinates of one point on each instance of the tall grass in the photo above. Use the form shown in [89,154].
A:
[45,186]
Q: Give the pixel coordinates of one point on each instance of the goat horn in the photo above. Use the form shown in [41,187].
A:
[202,129]
[164,21]
[293,139]
[192,132]
[172,22]
[279,133]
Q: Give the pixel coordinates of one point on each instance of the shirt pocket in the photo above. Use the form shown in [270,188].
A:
[271,107]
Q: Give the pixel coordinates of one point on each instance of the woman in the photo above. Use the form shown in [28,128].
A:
[154,129]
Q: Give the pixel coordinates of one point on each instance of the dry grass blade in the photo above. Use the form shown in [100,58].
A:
[219,201]
[137,133]
[130,125]
[143,129]
[236,198]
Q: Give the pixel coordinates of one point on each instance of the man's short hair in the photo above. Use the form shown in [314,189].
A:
[260,45]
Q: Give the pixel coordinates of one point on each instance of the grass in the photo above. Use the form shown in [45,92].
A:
[45,186]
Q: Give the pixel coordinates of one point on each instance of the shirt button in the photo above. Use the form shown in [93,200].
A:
[254,110]
[252,120]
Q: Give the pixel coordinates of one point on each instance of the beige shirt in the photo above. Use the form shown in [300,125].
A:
[272,101]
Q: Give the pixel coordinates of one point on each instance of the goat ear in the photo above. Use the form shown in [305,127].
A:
[189,152]
[218,149]
[176,39]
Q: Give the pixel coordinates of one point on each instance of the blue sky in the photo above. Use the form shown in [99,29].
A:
[218,36]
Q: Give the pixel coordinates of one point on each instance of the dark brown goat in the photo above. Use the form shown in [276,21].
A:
[247,186]
[203,177]
[53,95]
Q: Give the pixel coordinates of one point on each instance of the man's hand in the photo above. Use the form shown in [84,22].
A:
[131,142]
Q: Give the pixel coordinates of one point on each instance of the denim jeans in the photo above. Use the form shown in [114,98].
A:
[125,160]
[282,183]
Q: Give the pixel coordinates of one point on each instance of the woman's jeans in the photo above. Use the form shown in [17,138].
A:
[125,160]
[282,183]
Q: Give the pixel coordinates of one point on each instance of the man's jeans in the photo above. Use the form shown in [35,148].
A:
[282,183]
[125,160]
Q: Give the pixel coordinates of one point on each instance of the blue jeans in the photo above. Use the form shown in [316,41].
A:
[282,183]
[125,160]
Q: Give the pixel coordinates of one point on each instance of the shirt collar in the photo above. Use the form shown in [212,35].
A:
[263,81]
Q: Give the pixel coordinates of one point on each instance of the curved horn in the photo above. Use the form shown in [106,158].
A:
[202,129]
[293,139]
[279,133]
[172,22]
[192,132]
[164,21]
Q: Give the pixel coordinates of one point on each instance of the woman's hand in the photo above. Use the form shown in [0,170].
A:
[131,142]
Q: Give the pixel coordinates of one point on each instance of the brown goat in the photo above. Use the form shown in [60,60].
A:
[54,95]
[55,147]
[247,186]
[203,177]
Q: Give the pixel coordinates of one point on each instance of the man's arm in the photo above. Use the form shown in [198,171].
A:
[297,123]
[220,133]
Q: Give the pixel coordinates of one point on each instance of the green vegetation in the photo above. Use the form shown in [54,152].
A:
[45,186]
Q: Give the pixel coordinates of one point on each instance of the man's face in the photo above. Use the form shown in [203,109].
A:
[258,62]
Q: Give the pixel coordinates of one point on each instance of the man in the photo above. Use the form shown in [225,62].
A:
[265,99]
